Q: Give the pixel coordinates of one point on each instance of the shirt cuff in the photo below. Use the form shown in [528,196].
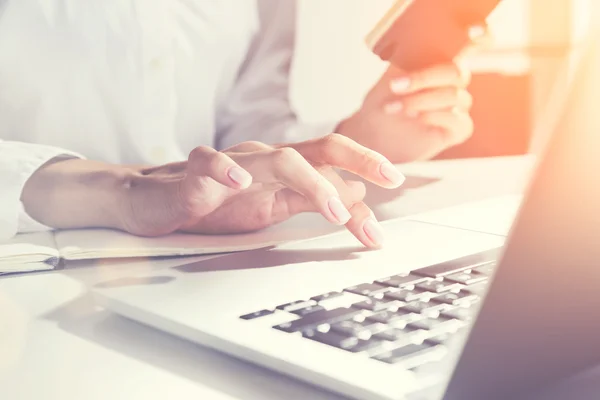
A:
[18,162]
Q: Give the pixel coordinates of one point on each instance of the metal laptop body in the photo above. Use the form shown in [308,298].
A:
[537,322]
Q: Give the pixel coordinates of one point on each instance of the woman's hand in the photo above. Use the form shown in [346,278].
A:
[245,188]
[410,116]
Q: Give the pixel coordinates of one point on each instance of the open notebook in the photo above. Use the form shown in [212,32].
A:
[44,250]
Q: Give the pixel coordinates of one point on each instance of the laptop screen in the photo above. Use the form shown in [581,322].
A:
[538,321]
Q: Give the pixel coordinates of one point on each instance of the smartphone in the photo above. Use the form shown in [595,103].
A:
[415,34]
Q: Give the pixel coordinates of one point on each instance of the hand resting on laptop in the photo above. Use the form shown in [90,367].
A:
[247,187]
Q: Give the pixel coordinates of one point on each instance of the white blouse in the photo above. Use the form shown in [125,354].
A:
[138,81]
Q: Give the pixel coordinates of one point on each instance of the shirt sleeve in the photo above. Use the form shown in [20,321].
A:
[18,161]
[258,107]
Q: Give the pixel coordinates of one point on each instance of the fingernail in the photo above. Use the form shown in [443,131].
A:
[339,210]
[400,85]
[374,231]
[393,108]
[240,176]
[391,173]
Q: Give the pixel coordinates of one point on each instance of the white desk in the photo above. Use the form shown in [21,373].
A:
[56,345]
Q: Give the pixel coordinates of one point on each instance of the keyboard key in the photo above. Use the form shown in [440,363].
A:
[462,298]
[257,314]
[437,286]
[368,289]
[384,317]
[308,310]
[408,295]
[362,330]
[371,346]
[442,324]
[345,299]
[326,296]
[413,355]
[312,320]
[332,339]
[296,305]
[442,338]
[460,313]
[396,334]
[486,269]
[426,307]
[373,304]
[458,265]
[466,279]
[401,280]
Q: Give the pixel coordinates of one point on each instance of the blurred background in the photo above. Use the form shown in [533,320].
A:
[513,76]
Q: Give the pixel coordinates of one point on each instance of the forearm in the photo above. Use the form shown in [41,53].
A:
[74,193]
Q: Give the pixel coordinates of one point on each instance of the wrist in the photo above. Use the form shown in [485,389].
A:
[76,193]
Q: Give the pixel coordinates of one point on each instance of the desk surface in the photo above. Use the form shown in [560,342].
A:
[56,344]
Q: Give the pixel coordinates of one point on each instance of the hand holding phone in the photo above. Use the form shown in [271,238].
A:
[415,34]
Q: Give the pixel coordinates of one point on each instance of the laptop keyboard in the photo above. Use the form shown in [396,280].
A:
[404,319]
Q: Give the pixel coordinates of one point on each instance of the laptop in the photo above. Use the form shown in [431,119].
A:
[439,313]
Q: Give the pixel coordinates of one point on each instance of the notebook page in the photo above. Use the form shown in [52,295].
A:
[103,243]
[29,252]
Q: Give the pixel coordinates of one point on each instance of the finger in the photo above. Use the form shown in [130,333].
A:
[247,147]
[167,169]
[443,98]
[207,162]
[341,152]
[285,166]
[364,226]
[454,126]
[442,75]
[295,203]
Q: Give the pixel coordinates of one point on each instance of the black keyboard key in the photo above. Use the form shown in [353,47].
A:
[458,265]
[332,339]
[413,355]
[257,314]
[326,296]
[368,289]
[373,304]
[438,286]
[408,295]
[308,310]
[296,305]
[462,298]
[401,280]
[312,320]
[466,279]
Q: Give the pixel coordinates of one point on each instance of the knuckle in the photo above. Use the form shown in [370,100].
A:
[329,144]
[198,152]
[248,146]
[360,211]
[332,139]
[285,155]
[216,161]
